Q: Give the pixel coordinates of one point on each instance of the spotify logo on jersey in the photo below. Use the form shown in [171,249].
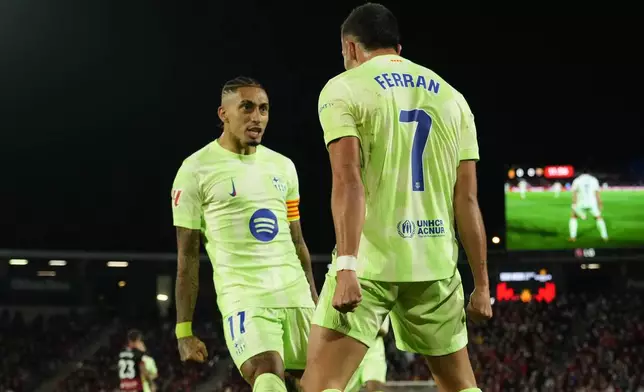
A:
[263,225]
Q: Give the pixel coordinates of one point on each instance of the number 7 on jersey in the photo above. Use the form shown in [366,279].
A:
[423,127]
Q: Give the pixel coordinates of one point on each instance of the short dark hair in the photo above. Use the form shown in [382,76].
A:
[134,335]
[240,81]
[373,25]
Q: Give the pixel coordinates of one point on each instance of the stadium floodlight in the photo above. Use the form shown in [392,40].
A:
[531,172]
[496,240]
[57,263]
[162,297]
[117,264]
[519,172]
[18,262]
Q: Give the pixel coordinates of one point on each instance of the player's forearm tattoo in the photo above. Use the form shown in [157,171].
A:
[187,285]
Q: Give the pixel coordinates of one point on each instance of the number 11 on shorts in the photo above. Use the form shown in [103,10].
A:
[231,322]
[423,127]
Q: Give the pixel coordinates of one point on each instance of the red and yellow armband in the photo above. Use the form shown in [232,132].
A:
[293,210]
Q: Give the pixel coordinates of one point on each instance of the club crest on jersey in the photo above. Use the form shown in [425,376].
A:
[279,185]
[240,346]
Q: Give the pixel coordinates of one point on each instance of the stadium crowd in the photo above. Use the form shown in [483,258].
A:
[578,343]
[33,350]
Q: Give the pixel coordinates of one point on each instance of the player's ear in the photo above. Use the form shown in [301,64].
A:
[221,112]
[398,48]
[352,49]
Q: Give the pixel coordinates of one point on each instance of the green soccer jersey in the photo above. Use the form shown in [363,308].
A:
[414,129]
[243,205]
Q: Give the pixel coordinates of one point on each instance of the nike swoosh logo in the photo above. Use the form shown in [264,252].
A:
[234,192]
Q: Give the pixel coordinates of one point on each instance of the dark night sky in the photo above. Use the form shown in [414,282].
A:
[99,102]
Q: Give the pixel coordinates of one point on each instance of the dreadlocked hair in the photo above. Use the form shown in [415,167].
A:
[233,85]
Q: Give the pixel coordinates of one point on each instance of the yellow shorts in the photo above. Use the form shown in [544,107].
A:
[258,330]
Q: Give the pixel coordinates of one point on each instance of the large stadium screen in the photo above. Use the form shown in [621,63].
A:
[558,207]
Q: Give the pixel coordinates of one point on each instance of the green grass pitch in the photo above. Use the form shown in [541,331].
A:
[540,221]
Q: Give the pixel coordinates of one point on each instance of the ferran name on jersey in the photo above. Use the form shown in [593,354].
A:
[405,80]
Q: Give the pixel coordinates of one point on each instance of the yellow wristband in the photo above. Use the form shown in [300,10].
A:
[183,330]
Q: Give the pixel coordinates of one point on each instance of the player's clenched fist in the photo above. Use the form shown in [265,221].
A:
[347,294]
[480,306]
[192,349]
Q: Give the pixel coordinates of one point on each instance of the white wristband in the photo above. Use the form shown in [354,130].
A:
[346,263]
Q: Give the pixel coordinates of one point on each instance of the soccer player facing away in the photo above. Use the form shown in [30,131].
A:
[137,370]
[523,188]
[243,199]
[372,372]
[556,188]
[585,197]
[403,151]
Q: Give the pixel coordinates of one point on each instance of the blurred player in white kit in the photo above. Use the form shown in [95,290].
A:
[523,187]
[556,188]
[585,197]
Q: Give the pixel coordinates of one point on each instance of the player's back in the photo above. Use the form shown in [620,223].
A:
[128,368]
[413,129]
[586,185]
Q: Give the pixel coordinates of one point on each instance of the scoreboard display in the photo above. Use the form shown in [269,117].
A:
[526,286]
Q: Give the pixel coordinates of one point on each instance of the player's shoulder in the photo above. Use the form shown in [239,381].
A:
[206,159]
[339,84]
[199,157]
[135,352]
[445,87]
[585,177]
[449,94]
[454,95]
[269,155]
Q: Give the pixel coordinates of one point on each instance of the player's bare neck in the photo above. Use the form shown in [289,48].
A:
[232,144]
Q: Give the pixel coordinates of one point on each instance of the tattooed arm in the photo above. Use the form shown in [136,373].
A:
[187,286]
[187,213]
[304,256]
